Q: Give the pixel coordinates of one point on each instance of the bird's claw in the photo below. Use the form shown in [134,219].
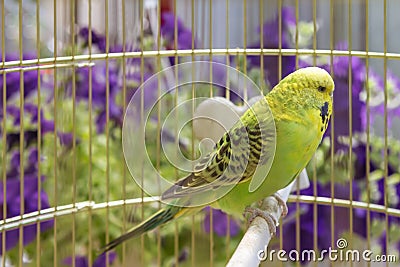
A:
[281,204]
[266,215]
[256,212]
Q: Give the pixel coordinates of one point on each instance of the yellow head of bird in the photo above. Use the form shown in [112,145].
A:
[311,86]
[313,78]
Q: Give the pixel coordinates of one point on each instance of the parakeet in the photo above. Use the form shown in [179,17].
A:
[300,107]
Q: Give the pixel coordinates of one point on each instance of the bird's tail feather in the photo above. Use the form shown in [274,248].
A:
[160,217]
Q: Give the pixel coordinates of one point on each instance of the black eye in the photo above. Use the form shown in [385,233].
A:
[322,89]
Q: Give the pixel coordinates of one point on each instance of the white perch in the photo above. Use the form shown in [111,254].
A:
[252,247]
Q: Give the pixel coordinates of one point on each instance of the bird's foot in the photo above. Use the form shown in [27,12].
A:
[256,212]
[281,204]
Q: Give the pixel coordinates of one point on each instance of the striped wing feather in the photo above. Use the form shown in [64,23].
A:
[232,161]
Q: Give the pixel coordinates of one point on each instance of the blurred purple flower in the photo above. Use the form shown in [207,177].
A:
[14,167]
[184,34]
[30,133]
[100,261]
[65,139]
[31,200]
[168,20]
[341,65]
[13,78]
[10,196]
[99,82]
[220,223]
[149,88]
[14,112]
[271,28]
[382,241]
[30,166]
[33,157]
[185,40]
[270,31]
[97,39]
[99,91]
[100,86]
[114,113]
[80,261]
[31,112]
[183,255]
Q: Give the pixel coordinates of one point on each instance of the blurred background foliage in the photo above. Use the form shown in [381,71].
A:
[80,154]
